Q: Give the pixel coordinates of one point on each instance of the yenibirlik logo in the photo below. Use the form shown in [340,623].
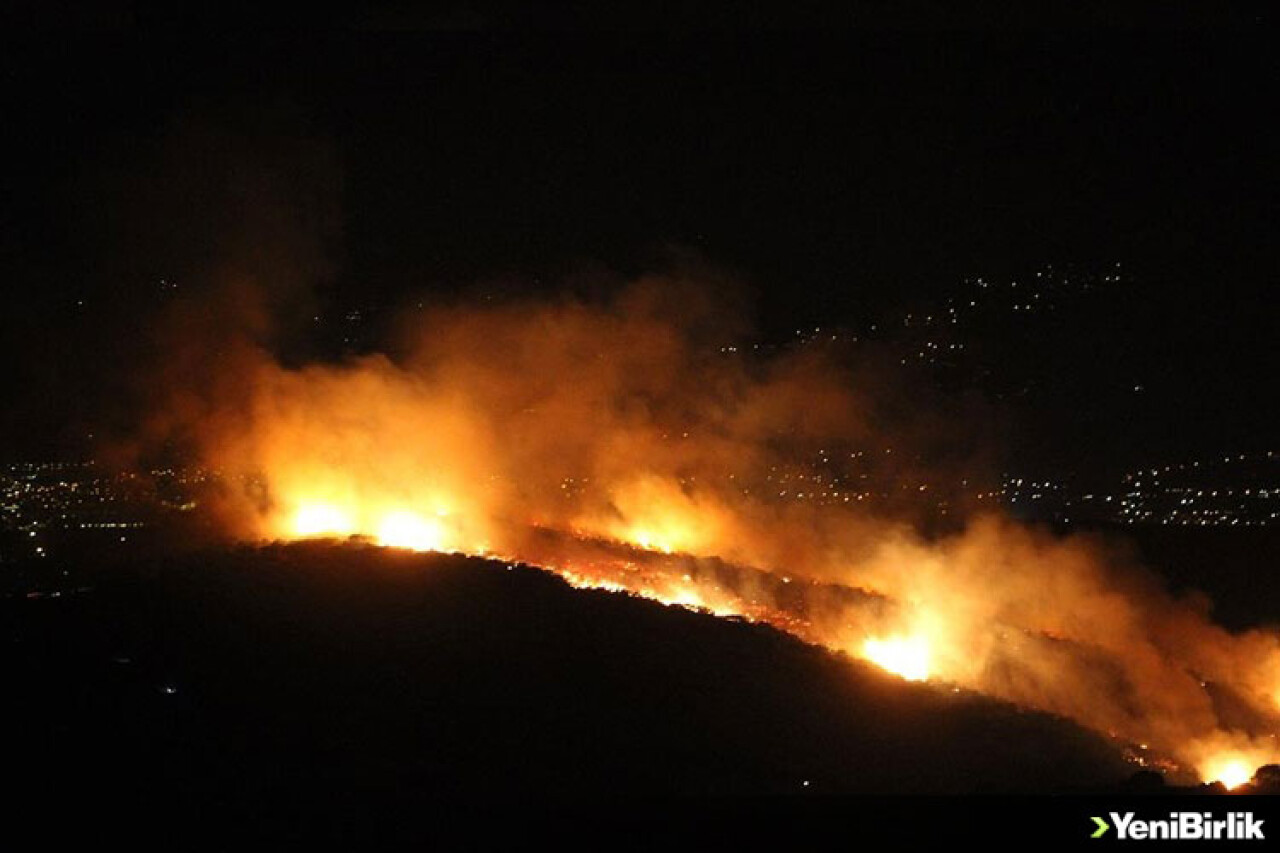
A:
[1183,826]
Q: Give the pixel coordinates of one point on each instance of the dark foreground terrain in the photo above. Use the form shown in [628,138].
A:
[294,684]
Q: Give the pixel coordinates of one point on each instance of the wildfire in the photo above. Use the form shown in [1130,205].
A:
[658,472]
[659,516]
[1232,771]
[650,542]
[397,528]
[677,592]
[404,529]
[320,519]
[907,657]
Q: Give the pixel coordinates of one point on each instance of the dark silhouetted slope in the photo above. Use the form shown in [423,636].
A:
[304,678]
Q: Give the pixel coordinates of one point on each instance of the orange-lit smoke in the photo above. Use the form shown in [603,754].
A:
[605,441]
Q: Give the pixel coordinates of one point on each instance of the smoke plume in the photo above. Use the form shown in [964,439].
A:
[624,441]
[613,442]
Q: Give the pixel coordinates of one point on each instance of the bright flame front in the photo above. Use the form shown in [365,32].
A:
[907,657]
[322,519]
[393,528]
[404,529]
[1230,771]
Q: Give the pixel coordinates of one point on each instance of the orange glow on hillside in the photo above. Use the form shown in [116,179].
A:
[609,443]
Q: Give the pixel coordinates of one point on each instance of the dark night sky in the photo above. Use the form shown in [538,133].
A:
[840,176]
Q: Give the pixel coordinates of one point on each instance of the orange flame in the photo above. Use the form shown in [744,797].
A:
[321,519]
[907,657]
[667,474]
[404,529]
[1231,770]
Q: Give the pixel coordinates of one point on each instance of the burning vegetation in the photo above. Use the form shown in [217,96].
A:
[615,444]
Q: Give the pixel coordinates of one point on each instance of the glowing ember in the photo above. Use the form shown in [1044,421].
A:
[1232,772]
[907,657]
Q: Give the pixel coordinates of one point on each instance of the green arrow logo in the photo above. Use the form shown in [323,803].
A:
[1102,827]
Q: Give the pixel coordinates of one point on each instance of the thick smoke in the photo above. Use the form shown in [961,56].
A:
[616,421]
[599,436]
